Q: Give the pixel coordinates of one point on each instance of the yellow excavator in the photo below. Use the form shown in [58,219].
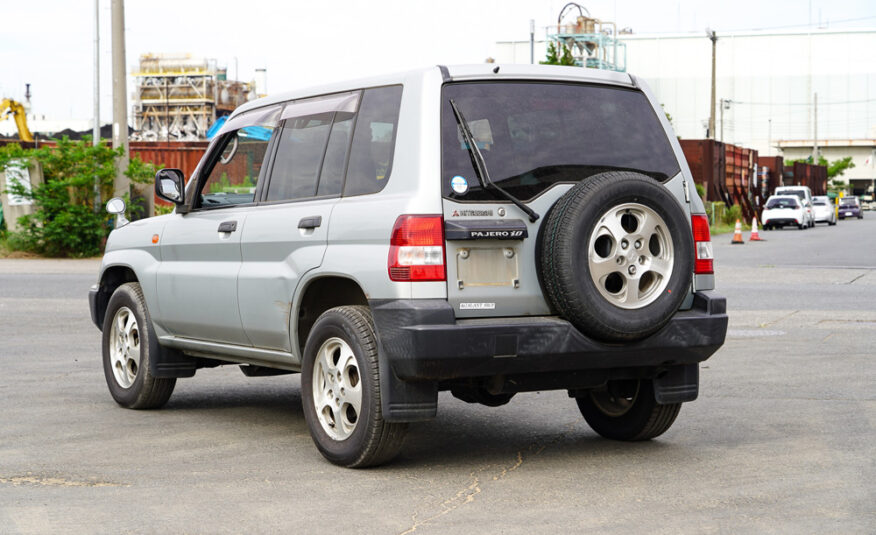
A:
[11,107]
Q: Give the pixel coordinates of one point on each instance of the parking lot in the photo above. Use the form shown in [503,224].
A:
[781,439]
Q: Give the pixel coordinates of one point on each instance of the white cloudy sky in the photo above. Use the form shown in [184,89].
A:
[49,43]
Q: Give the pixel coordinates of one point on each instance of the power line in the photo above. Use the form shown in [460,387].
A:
[840,21]
[836,102]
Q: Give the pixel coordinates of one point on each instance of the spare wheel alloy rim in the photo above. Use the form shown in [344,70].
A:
[124,347]
[337,389]
[630,256]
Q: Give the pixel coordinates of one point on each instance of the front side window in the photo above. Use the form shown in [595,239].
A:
[535,135]
[235,171]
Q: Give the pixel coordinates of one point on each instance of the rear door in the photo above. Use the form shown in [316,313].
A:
[201,256]
[285,236]
[538,140]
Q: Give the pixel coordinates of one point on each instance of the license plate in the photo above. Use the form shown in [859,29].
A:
[848,214]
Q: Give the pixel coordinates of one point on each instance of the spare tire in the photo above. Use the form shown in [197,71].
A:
[616,256]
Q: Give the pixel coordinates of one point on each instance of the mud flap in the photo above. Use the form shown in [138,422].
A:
[405,401]
[677,385]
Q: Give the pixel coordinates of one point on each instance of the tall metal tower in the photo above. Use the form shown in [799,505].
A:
[592,42]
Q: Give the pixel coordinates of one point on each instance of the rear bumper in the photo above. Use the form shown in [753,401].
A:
[781,221]
[421,340]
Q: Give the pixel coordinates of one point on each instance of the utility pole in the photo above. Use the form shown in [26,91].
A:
[121,184]
[815,132]
[714,38]
[532,41]
[95,135]
[722,121]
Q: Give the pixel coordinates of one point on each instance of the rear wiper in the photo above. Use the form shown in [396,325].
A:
[480,166]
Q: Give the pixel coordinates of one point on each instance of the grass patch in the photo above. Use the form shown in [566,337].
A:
[722,228]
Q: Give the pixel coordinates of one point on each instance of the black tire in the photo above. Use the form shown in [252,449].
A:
[627,411]
[127,374]
[372,440]
[564,268]
[831,223]
[800,226]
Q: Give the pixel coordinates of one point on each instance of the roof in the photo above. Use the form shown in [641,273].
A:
[482,71]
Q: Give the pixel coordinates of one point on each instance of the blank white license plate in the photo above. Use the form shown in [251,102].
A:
[848,213]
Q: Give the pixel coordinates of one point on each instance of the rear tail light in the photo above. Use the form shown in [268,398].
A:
[416,251]
[702,245]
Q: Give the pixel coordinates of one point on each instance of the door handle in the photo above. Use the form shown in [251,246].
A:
[310,222]
[228,226]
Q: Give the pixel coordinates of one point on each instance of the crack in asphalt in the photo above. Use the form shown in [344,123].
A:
[467,494]
[48,481]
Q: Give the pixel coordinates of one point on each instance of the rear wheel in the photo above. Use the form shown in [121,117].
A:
[340,384]
[626,410]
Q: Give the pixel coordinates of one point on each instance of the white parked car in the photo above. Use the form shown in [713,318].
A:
[824,210]
[805,195]
[781,210]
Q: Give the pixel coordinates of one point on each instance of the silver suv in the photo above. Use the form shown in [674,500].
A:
[479,229]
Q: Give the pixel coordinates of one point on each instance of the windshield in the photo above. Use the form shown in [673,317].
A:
[534,135]
[776,204]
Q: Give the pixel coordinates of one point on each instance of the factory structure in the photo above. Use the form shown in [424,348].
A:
[782,93]
[178,97]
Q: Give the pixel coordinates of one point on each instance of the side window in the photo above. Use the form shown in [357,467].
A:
[299,155]
[373,141]
[232,179]
[332,177]
[312,147]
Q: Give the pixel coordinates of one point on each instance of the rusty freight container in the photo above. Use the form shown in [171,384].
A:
[804,174]
[771,169]
[706,160]
[739,168]
[183,155]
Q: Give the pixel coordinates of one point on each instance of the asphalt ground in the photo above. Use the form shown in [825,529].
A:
[781,439]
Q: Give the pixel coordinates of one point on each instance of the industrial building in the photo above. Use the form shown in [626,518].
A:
[178,97]
[766,88]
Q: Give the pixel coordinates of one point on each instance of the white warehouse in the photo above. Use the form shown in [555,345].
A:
[767,81]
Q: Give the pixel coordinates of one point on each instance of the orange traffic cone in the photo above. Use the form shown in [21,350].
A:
[754,235]
[737,234]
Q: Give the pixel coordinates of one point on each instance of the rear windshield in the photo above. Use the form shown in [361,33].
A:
[535,135]
[774,204]
[819,203]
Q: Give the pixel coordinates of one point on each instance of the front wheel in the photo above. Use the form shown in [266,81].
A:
[626,410]
[340,391]
[129,343]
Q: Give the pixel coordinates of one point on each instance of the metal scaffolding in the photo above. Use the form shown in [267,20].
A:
[592,42]
[178,97]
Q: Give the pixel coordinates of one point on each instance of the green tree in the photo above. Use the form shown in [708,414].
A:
[554,57]
[835,168]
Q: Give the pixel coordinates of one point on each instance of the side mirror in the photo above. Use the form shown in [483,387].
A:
[116,206]
[170,185]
